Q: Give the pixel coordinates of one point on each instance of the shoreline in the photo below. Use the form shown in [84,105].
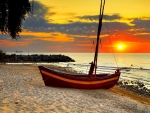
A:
[131,94]
[128,91]
[22,89]
[120,84]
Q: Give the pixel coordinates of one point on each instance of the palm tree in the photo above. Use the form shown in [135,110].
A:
[12,12]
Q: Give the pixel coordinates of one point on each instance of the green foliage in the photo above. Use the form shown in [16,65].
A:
[12,12]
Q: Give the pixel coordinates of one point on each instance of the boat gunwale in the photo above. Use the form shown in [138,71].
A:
[81,77]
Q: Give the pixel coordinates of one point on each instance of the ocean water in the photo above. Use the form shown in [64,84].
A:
[135,67]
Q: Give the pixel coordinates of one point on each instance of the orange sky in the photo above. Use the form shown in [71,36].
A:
[71,26]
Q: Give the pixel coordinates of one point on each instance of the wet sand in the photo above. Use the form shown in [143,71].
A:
[22,90]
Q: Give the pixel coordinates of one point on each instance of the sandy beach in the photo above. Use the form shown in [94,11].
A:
[23,91]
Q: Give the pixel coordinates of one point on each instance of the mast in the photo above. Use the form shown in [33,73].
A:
[98,39]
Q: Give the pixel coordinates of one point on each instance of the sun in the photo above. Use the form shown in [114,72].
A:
[121,47]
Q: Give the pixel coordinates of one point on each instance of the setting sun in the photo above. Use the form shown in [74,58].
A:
[120,47]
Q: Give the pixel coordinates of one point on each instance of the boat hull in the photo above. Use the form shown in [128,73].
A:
[80,81]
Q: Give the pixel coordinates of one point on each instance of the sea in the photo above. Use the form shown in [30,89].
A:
[134,67]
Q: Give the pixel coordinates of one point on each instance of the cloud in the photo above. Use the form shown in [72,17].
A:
[89,17]
[117,26]
[141,23]
[5,36]
[96,17]
[8,43]
[141,27]
[52,36]
[57,37]
[112,17]
[81,30]
[37,20]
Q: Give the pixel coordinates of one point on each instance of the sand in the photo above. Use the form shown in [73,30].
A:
[23,91]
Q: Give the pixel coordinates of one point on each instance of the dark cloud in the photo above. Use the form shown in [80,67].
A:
[89,17]
[75,28]
[96,17]
[4,37]
[36,20]
[90,28]
[116,26]
[38,23]
[70,21]
[112,17]
[141,23]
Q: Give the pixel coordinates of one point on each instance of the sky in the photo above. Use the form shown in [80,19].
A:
[71,26]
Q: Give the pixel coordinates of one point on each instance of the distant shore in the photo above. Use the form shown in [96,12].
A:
[13,58]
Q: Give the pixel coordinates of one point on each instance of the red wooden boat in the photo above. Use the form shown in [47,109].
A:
[82,81]
[92,80]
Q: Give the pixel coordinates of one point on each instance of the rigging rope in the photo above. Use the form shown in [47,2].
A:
[111,44]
